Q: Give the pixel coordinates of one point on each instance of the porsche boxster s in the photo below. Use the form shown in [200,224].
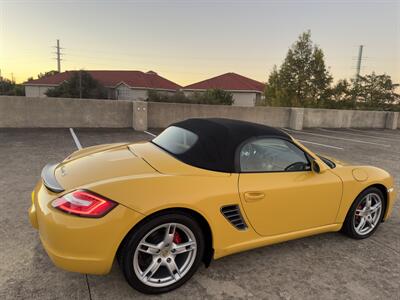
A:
[201,190]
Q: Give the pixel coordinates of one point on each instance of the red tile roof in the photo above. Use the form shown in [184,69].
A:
[229,82]
[135,79]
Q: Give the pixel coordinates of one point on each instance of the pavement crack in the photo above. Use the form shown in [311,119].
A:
[88,286]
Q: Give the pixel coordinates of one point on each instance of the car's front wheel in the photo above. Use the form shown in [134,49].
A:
[365,214]
[163,253]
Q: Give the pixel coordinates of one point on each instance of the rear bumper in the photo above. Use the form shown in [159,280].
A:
[77,244]
[32,213]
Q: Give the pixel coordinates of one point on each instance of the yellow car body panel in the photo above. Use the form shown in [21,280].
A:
[308,200]
[76,244]
[108,162]
[352,187]
[143,179]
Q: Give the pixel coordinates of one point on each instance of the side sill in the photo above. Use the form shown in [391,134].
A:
[270,240]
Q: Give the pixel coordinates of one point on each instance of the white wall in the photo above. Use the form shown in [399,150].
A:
[188,93]
[36,90]
[126,93]
[244,99]
[139,94]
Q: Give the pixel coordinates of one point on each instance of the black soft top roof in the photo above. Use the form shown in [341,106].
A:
[218,140]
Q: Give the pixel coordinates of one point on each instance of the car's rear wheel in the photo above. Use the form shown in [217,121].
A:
[365,214]
[163,253]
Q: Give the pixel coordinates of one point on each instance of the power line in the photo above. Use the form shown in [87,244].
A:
[112,53]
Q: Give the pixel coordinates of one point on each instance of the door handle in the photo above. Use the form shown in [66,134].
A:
[253,196]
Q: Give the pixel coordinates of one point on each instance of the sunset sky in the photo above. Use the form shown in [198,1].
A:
[188,41]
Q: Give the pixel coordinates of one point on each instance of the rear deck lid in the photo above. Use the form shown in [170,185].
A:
[101,164]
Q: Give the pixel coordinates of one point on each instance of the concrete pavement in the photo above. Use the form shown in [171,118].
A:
[328,266]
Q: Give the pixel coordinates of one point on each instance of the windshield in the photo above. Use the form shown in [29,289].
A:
[176,140]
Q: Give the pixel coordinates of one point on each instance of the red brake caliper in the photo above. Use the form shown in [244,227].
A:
[177,238]
[359,208]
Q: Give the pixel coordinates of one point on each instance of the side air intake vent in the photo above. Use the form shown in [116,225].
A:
[233,215]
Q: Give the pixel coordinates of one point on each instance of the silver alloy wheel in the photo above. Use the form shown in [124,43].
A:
[165,254]
[368,214]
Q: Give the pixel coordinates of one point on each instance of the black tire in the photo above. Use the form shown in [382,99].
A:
[127,251]
[349,223]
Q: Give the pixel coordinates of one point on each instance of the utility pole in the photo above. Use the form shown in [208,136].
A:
[80,83]
[58,56]
[360,51]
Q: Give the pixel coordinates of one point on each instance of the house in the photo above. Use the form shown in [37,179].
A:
[124,85]
[245,91]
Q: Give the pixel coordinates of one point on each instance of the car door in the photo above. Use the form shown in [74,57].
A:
[280,193]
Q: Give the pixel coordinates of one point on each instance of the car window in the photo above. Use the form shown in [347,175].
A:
[272,155]
[176,140]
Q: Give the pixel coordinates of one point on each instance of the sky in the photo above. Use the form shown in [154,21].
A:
[188,41]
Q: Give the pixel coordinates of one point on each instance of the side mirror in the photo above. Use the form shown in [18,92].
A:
[315,167]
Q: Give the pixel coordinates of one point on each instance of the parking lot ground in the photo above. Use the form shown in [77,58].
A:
[327,266]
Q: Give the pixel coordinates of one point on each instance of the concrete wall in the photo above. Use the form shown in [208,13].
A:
[36,90]
[162,114]
[64,112]
[335,118]
[398,121]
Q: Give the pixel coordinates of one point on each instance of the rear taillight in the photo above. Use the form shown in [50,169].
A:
[84,204]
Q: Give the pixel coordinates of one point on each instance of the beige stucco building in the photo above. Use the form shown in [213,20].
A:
[121,85]
[245,91]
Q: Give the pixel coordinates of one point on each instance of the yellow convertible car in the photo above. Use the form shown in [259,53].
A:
[201,190]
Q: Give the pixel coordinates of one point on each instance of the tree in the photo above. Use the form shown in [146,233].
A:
[6,86]
[275,94]
[371,91]
[340,96]
[303,79]
[320,78]
[19,90]
[214,96]
[177,97]
[80,85]
[10,88]
[47,74]
[375,91]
